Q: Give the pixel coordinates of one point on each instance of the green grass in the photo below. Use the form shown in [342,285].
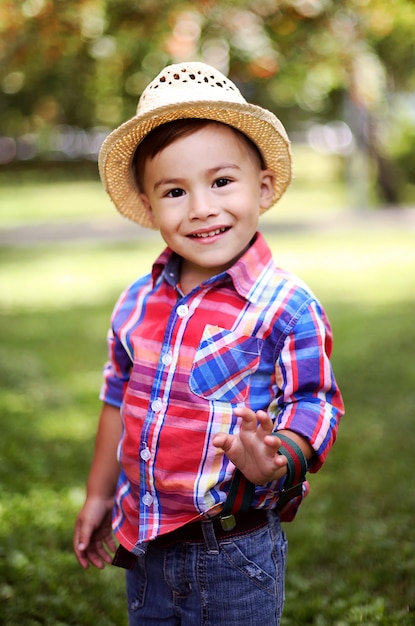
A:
[351,556]
[53,200]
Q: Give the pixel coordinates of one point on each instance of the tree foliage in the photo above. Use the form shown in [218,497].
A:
[84,63]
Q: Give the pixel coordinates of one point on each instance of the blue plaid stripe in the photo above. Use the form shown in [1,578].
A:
[223,364]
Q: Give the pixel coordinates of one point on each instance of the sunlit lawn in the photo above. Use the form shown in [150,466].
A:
[351,558]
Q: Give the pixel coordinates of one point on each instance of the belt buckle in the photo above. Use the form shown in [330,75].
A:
[228,522]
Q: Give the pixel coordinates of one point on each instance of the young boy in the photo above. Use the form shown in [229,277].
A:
[218,392]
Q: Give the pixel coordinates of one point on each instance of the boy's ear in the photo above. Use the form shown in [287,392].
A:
[267,188]
[144,199]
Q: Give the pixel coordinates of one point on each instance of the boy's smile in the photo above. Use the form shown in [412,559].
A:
[204,192]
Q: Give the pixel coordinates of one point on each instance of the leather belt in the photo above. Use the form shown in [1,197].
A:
[193,533]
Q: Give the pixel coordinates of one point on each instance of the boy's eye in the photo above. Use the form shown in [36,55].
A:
[222,182]
[175,193]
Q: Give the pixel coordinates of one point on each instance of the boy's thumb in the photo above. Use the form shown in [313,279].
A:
[82,537]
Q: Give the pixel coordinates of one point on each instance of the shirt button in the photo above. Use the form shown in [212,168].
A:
[147,499]
[145,454]
[157,405]
[182,310]
[167,358]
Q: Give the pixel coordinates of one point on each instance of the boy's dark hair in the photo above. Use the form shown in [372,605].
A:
[166,134]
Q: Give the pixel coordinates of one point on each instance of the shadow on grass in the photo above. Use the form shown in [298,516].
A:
[351,557]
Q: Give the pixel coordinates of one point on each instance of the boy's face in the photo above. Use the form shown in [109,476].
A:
[204,192]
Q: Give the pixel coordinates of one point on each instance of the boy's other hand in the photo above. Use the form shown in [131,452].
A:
[254,450]
[93,541]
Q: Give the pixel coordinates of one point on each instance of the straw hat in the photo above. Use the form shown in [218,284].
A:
[189,90]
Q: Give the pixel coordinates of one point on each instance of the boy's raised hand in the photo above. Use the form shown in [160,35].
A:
[254,449]
[93,539]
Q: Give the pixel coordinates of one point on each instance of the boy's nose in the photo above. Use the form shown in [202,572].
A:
[201,206]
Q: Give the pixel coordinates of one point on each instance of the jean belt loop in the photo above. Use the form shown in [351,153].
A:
[210,537]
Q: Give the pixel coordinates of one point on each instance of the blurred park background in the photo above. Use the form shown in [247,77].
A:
[341,76]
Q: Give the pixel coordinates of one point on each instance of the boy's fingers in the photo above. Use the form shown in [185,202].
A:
[93,553]
[111,543]
[272,441]
[82,537]
[251,421]
[223,441]
[249,424]
[98,556]
[80,553]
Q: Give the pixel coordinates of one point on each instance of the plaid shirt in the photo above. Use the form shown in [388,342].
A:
[179,364]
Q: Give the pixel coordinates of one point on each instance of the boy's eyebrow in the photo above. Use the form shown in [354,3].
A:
[210,171]
[167,181]
[223,166]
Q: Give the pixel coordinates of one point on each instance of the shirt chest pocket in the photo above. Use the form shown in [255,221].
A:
[223,364]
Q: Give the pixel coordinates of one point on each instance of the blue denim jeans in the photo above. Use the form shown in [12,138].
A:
[237,581]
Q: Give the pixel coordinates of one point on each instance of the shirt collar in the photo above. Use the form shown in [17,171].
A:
[166,265]
[248,270]
[245,273]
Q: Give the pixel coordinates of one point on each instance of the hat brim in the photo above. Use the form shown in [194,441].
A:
[117,151]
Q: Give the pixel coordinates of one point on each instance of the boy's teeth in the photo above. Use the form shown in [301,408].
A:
[211,233]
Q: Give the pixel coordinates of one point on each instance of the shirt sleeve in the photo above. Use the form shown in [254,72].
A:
[309,401]
[116,371]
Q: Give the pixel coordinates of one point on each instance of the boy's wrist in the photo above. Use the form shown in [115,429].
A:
[297,463]
[97,490]
[93,496]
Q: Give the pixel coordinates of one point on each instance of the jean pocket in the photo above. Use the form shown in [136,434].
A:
[223,364]
[254,558]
